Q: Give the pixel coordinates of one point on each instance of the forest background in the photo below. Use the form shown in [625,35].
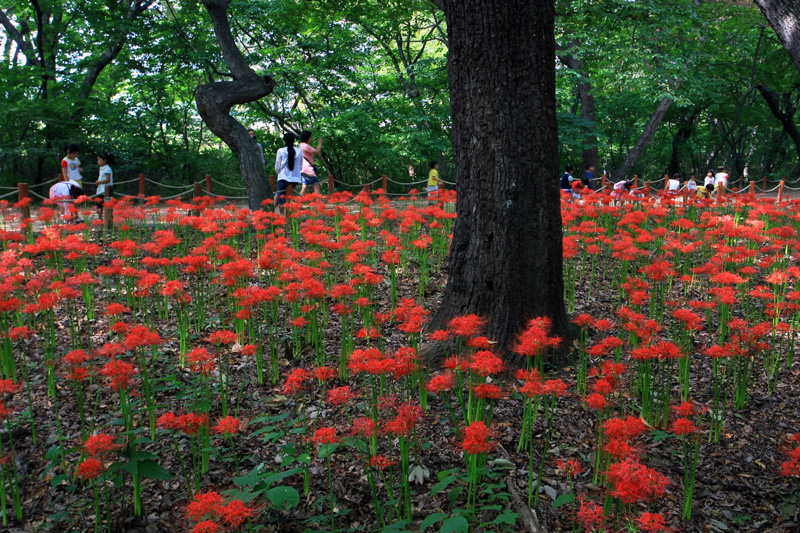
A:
[709,79]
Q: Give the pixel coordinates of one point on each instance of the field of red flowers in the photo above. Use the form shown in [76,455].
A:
[204,368]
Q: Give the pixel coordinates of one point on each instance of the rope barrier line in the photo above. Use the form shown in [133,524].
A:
[6,195]
[165,185]
[36,195]
[228,186]
[402,183]
[8,188]
[225,197]
[124,182]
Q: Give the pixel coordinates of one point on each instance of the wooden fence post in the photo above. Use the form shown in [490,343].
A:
[366,188]
[272,181]
[752,191]
[330,184]
[108,216]
[603,182]
[780,189]
[635,181]
[647,188]
[383,182]
[209,187]
[764,183]
[141,185]
[22,193]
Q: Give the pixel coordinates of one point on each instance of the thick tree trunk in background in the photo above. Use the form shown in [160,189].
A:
[784,110]
[214,102]
[784,17]
[685,129]
[591,154]
[644,140]
[505,260]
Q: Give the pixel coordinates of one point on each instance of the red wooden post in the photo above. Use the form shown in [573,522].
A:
[603,183]
[366,188]
[647,188]
[141,184]
[209,187]
[752,190]
[272,181]
[383,183]
[780,189]
[330,184]
[289,190]
[666,182]
[22,193]
[764,183]
[108,217]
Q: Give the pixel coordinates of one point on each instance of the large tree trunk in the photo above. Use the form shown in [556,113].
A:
[505,260]
[784,110]
[644,140]
[784,17]
[214,102]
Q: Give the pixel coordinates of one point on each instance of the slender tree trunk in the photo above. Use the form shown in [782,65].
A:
[591,153]
[644,140]
[215,100]
[506,256]
[685,129]
[784,17]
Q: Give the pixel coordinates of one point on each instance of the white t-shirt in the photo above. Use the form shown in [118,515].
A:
[106,169]
[282,167]
[674,184]
[720,178]
[61,191]
[708,180]
[73,173]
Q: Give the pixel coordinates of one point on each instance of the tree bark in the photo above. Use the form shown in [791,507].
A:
[685,129]
[644,140]
[215,100]
[505,260]
[784,17]
[784,110]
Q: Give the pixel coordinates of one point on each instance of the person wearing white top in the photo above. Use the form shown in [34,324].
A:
[674,184]
[63,191]
[106,177]
[709,179]
[721,178]
[288,164]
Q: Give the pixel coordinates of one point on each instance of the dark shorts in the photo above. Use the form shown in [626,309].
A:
[280,192]
[309,180]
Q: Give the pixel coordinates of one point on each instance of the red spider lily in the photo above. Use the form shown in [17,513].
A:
[111,350]
[634,482]
[571,467]
[201,361]
[140,336]
[235,513]
[439,383]
[325,435]
[222,337]
[590,515]
[8,386]
[100,444]
[652,523]
[488,391]
[294,382]
[115,309]
[686,409]
[120,373]
[339,395]
[90,469]
[596,401]
[440,335]
[584,320]
[364,427]
[683,426]
[205,504]
[480,343]
[625,429]
[381,462]
[325,373]
[534,340]
[228,426]
[556,387]
[486,363]
[477,439]
[467,325]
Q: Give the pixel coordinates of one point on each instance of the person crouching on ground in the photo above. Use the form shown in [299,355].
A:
[62,192]
[704,192]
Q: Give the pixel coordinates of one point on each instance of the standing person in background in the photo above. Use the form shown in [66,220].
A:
[709,179]
[308,174]
[71,165]
[567,179]
[588,175]
[674,183]
[288,163]
[433,181]
[104,179]
[721,178]
[252,133]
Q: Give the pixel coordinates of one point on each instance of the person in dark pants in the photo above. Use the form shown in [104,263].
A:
[588,175]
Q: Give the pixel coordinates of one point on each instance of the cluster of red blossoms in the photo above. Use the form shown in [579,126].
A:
[210,513]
